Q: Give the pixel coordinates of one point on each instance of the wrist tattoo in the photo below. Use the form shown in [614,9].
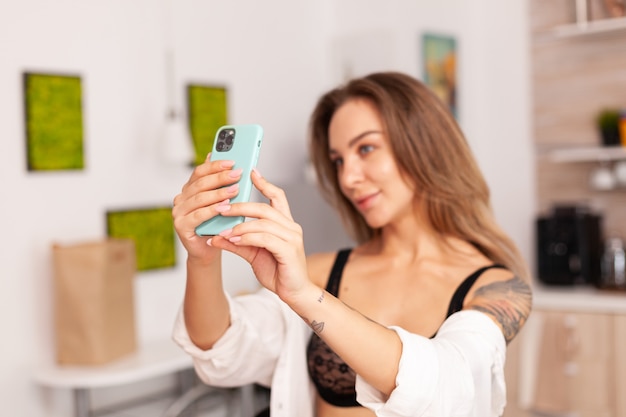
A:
[321,297]
[317,327]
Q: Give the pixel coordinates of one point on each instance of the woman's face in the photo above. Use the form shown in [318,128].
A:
[367,170]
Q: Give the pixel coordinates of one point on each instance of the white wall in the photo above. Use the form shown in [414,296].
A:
[275,60]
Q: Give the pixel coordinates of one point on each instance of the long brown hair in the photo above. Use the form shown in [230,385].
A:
[433,154]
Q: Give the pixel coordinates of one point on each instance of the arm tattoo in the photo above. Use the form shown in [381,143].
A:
[317,327]
[508,302]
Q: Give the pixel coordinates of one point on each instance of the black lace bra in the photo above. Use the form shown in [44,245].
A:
[332,377]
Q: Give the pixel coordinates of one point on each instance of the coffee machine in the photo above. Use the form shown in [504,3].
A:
[569,246]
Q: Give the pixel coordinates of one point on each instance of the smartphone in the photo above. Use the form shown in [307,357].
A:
[242,144]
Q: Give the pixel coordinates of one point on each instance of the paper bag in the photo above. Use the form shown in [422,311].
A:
[93,301]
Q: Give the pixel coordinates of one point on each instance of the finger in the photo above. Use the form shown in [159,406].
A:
[186,203]
[290,233]
[187,222]
[247,253]
[208,190]
[207,168]
[212,175]
[261,211]
[283,250]
[274,194]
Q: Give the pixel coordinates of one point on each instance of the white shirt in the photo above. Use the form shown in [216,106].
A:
[458,373]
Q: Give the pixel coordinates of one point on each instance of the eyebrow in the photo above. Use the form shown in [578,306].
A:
[358,138]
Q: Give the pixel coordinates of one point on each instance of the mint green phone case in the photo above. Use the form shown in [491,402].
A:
[246,146]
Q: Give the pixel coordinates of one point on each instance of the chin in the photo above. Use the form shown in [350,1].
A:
[376,222]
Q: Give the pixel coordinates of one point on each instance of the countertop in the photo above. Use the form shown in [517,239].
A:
[584,299]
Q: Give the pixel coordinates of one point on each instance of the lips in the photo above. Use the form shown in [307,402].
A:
[365,202]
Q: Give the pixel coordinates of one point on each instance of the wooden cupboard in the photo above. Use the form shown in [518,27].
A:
[569,362]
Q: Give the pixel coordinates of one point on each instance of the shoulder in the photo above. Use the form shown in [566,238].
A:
[504,297]
[319,266]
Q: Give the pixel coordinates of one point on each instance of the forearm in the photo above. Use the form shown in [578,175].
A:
[372,350]
[205,308]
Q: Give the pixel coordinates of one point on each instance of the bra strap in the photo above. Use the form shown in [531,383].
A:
[456,303]
[335,274]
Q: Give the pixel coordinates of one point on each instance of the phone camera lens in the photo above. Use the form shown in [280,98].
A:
[229,140]
[219,146]
[222,134]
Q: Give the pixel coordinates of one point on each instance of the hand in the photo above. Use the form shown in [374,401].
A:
[272,242]
[202,198]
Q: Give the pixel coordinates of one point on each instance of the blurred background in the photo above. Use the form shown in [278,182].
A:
[530,78]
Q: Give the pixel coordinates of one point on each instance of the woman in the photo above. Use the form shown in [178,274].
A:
[412,321]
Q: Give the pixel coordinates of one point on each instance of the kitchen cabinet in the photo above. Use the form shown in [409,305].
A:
[570,358]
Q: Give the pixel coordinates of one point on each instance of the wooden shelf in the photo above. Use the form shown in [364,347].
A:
[586,154]
[588,28]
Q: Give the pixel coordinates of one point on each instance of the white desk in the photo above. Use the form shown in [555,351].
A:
[150,361]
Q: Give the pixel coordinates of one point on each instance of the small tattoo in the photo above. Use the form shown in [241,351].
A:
[321,297]
[317,327]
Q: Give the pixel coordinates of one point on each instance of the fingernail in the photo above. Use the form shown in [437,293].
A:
[209,241]
[227,163]
[221,208]
[235,173]
[234,239]
[226,232]
[233,188]
[256,171]
[208,156]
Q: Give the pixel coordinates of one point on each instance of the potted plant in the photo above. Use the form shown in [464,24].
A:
[608,125]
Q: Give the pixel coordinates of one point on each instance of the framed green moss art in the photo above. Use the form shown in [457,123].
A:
[152,231]
[54,122]
[207,112]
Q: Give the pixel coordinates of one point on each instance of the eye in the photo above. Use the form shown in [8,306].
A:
[337,162]
[365,149]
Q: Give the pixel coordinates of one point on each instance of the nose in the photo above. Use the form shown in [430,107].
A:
[350,173]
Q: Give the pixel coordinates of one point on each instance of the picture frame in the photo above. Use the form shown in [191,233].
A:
[207,109]
[152,230]
[440,67]
[53,118]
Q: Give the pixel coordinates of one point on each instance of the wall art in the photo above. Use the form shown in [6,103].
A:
[54,121]
[439,70]
[207,112]
[152,231]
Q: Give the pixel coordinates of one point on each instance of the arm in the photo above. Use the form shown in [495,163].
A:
[205,307]
[273,246]
[202,197]
[248,350]
[461,370]
[507,303]
[372,350]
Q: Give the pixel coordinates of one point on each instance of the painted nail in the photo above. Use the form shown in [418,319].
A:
[226,232]
[227,163]
[234,239]
[232,189]
[235,173]
[209,241]
[256,171]
[221,208]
